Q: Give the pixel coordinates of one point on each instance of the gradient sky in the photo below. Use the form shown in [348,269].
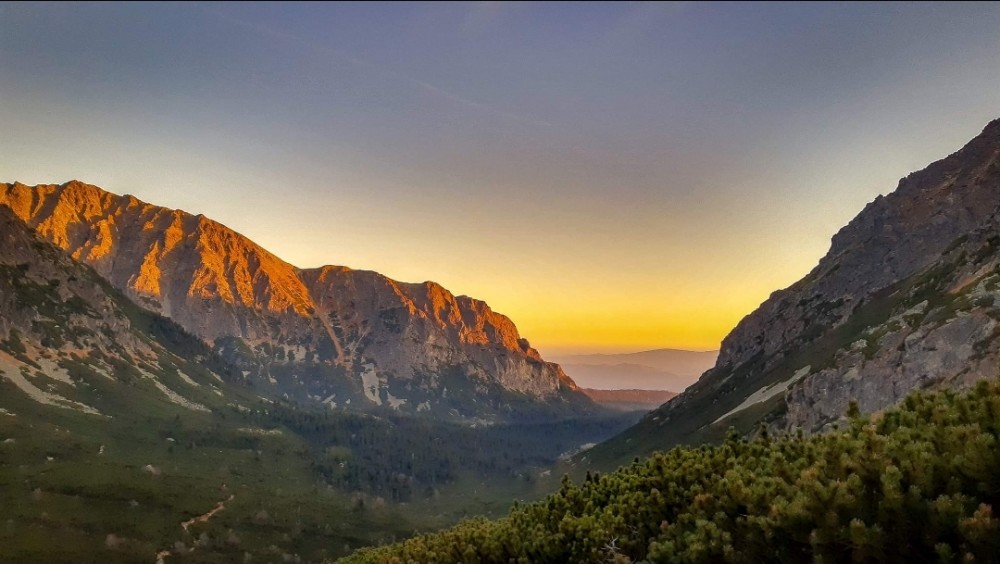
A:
[614,177]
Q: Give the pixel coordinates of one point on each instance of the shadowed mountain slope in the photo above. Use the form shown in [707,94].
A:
[905,299]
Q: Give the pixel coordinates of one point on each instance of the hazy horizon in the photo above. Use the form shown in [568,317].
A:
[556,352]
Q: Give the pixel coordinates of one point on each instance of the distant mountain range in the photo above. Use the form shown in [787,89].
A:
[629,400]
[660,369]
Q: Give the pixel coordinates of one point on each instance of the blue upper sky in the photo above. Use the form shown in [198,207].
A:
[612,175]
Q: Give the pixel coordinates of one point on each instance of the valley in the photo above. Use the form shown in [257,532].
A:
[120,490]
[132,437]
[499,283]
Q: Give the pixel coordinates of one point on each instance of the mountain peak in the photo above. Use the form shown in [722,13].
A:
[992,128]
[908,297]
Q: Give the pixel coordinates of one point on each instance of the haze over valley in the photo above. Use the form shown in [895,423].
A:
[662,369]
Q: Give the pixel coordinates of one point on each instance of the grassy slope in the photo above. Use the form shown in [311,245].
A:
[68,480]
[75,479]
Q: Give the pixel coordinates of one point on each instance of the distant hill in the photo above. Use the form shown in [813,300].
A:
[684,363]
[625,377]
[629,400]
[660,369]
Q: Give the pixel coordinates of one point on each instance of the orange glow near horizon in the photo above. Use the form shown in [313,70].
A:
[614,310]
[646,323]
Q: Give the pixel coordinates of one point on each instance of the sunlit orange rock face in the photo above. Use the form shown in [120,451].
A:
[188,267]
[217,283]
[405,325]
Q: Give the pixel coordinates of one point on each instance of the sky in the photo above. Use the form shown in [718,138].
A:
[612,176]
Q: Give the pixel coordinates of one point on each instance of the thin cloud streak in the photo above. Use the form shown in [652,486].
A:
[370,66]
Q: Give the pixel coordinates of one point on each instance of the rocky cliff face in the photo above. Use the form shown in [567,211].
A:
[198,272]
[423,329]
[935,329]
[902,301]
[69,340]
[894,237]
[893,282]
[330,334]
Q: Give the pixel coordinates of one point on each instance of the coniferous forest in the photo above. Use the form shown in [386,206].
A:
[918,483]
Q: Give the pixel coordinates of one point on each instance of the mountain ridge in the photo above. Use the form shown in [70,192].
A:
[875,229]
[361,336]
[903,300]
